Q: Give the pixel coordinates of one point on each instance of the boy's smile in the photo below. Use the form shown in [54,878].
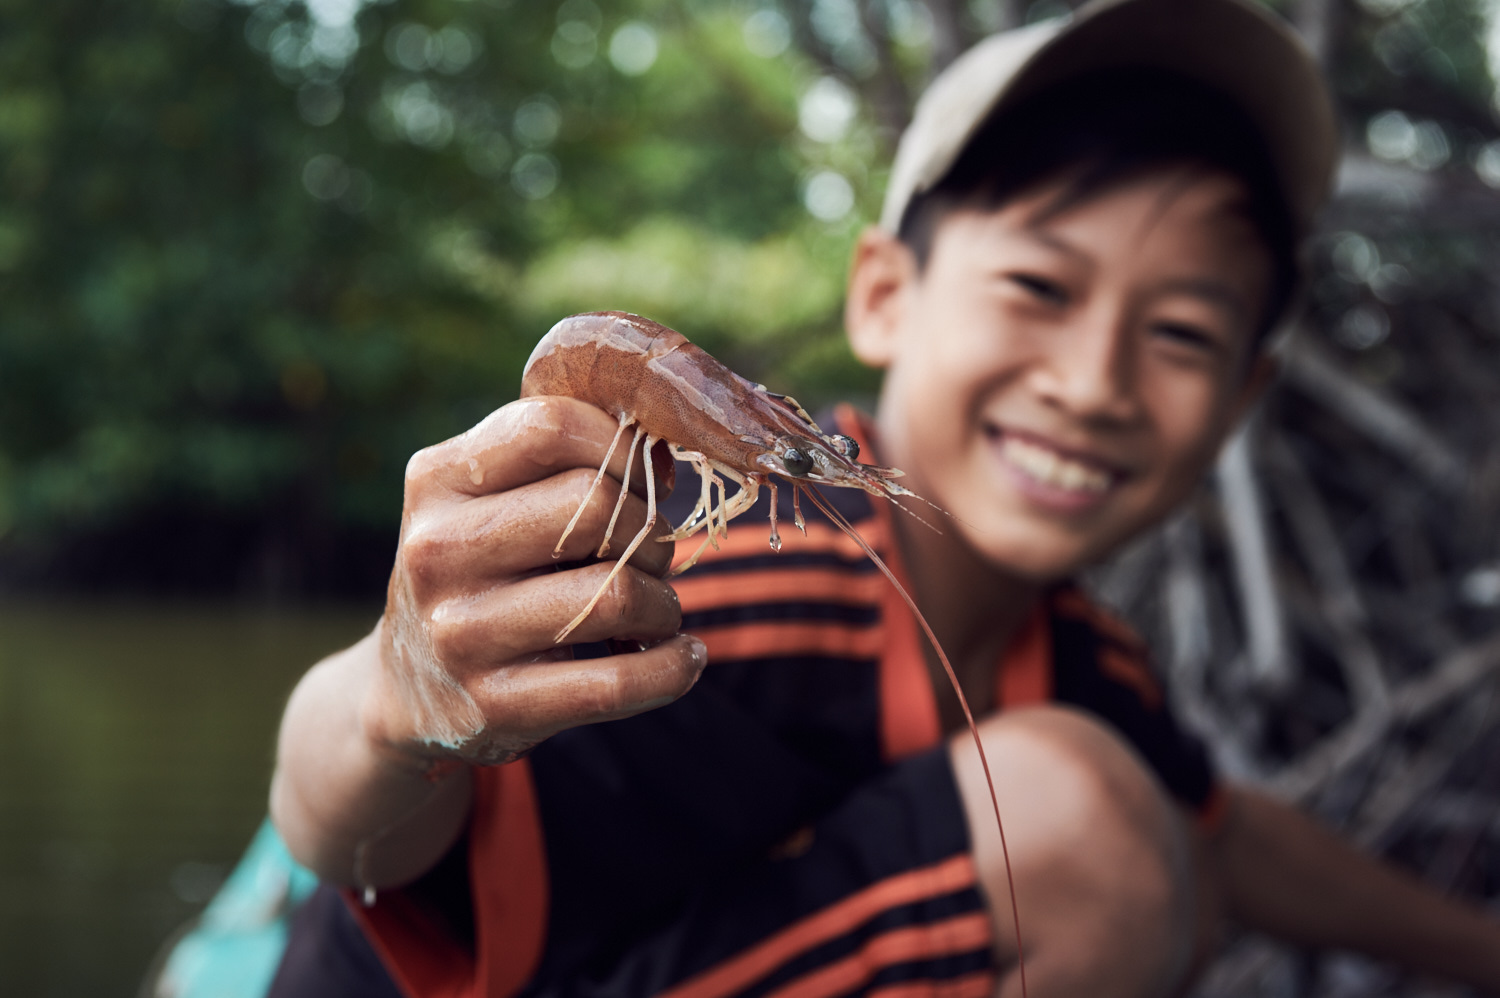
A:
[1058,379]
[1051,476]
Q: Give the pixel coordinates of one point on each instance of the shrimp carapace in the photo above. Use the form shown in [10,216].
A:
[653,379]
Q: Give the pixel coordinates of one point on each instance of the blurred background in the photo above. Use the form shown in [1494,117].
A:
[253,254]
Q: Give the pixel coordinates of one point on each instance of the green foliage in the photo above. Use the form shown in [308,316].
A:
[1422,55]
[254,254]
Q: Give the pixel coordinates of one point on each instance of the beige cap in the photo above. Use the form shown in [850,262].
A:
[1234,46]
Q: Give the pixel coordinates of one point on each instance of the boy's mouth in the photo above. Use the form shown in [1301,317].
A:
[1052,476]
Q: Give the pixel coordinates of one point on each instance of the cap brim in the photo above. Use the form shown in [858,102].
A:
[1235,47]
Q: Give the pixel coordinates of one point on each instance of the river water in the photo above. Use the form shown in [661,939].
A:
[135,751]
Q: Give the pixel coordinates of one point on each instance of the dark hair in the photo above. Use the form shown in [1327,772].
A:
[1097,131]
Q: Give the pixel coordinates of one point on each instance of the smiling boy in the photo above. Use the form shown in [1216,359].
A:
[1089,233]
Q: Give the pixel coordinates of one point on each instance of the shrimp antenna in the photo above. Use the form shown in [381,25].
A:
[963,701]
[929,525]
[902,506]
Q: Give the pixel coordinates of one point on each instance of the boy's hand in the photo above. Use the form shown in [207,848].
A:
[468,668]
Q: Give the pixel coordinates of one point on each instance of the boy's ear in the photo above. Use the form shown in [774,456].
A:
[880,276]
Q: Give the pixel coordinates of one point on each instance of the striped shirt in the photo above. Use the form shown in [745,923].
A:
[609,841]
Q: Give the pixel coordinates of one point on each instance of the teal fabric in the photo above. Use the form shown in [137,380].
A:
[234,949]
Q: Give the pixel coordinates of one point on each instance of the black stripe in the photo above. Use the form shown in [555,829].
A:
[917,913]
[859,614]
[793,661]
[818,706]
[770,561]
[945,968]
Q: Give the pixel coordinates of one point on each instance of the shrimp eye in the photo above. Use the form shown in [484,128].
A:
[796,462]
[847,446]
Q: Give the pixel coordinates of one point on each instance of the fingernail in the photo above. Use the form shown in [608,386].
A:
[700,652]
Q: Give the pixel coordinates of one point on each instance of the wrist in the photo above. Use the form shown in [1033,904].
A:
[384,722]
[379,720]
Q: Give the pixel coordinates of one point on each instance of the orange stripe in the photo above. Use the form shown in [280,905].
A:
[509,863]
[979,984]
[508,877]
[1026,667]
[422,957]
[909,721]
[960,934]
[915,885]
[769,639]
[1211,812]
[1071,603]
[1132,673]
[823,585]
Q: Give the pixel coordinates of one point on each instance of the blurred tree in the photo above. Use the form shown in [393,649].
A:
[253,255]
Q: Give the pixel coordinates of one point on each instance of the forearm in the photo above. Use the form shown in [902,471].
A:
[1285,874]
[355,813]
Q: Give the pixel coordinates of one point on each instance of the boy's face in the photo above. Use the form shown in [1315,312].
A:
[1060,382]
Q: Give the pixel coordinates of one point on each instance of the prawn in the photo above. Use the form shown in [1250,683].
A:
[664,388]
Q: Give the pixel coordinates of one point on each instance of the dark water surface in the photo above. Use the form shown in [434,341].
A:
[135,751]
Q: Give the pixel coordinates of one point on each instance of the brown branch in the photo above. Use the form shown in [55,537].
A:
[1250,545]
[1379,197]
[1337,597]
[1383,419]
[1402,790]
[1409,703]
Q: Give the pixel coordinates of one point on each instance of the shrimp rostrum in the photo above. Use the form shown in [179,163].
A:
[658,384]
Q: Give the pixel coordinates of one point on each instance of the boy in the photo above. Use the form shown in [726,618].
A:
[1089,231]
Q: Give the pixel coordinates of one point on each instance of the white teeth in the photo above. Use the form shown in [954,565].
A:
[1051,468]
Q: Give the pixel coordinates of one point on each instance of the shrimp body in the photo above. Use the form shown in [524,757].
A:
[650,376]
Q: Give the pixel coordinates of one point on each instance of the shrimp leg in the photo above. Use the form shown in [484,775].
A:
[690,562]
[775,534]
[728,510]
[699,516]
[739,502]
[651,440]
[624,422]
[624,491]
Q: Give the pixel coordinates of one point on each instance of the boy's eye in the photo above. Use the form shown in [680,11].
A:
[1041,288]
[1190,336]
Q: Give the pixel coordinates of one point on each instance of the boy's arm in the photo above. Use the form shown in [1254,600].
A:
[372,783]
[354,812]
[1288,876]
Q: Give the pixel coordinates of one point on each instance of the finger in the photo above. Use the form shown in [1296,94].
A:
[523,442]
[471,635]
[517,532]
[546,697]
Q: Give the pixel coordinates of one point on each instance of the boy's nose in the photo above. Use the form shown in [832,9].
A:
[1090,373]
